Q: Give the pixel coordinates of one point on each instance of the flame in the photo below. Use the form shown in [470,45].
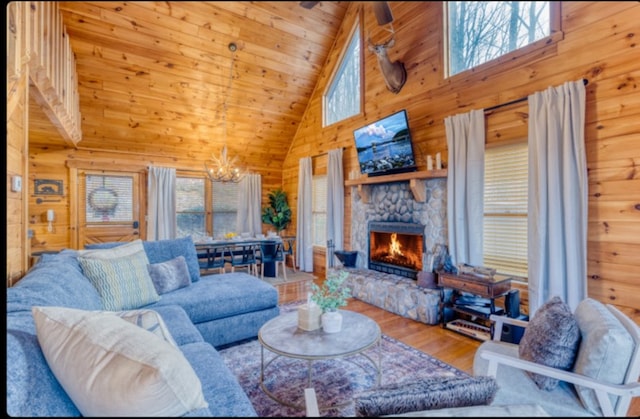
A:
[395,248]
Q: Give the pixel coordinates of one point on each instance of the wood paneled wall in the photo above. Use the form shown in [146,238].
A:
[599,43]
[17,245]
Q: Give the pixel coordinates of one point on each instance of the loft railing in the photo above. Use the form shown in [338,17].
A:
[37,37]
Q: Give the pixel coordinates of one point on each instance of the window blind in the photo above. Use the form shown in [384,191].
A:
[108,199]
[225,207]
[505,208]
[319,210]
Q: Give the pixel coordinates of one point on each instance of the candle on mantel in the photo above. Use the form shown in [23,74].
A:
[429,162]
[438,161]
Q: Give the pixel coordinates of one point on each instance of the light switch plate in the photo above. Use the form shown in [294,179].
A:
[16,183]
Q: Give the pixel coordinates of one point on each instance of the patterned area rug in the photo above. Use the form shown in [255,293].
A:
[336,381]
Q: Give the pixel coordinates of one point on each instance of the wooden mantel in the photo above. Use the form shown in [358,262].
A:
[416,182]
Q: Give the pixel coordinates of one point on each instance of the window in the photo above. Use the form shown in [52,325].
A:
[505,208]
[342,99]
[192,200]
[225,207]
[319,210]
[190,206]
[482,31]
[109,199]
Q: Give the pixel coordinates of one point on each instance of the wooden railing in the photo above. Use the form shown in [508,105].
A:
[52,67]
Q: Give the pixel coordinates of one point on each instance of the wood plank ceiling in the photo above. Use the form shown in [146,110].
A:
[154,76]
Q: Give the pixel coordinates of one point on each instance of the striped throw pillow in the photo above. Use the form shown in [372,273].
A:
[122,282]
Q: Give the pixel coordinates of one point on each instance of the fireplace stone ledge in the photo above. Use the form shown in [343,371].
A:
[394,293]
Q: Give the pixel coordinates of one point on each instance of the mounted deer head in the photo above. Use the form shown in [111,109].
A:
[394,73]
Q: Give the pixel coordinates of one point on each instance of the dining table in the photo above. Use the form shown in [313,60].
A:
[204,246]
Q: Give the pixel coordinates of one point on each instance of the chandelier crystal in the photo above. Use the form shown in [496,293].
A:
[223,169]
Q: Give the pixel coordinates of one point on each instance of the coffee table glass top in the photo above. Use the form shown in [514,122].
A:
[282,336]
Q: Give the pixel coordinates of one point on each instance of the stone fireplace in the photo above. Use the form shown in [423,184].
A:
[393,202]
[396,248]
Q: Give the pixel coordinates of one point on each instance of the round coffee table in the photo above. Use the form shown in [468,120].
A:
[282,336]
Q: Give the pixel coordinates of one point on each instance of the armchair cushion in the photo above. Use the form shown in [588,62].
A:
[427,394]
[605,350]
[552,338]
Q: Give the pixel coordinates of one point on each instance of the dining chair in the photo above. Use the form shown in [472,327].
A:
[243,255]
[212,257]
[272,252]
[289,250]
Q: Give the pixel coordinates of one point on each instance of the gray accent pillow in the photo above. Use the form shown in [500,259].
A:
[552,338]
[427,394]
[164,250]
[605,350]
[170,275]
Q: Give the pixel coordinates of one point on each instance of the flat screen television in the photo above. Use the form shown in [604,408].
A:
[384,146]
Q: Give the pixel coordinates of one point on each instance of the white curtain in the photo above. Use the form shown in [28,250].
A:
[558,189]
[304,219]
[465,186]
[249,216]
[335,202]
[162,223]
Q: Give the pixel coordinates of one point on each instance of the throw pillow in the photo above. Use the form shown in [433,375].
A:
[427,394]
[149,320]
[551,338]
[110,367]
[122,282]
[170,275]
[164,250]
[122,249]
[605,349]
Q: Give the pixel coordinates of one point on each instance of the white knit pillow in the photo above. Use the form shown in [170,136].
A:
[110,367]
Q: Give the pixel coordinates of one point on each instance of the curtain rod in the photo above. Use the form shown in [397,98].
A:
[326,152]
[522,99]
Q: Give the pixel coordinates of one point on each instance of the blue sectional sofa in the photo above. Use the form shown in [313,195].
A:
[211,311]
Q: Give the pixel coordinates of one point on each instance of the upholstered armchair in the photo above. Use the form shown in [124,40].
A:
[584,363]
[600,379]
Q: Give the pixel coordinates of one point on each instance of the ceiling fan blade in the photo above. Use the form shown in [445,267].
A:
[308,4]
[382,11]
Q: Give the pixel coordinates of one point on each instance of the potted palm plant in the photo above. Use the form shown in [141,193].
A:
[277,213]
[329,297]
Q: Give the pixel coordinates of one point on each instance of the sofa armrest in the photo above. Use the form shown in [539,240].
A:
[499,321]
[602,389]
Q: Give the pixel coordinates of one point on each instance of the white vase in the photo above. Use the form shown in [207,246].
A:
[331,321]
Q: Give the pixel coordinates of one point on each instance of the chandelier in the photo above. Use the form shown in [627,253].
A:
[223,169]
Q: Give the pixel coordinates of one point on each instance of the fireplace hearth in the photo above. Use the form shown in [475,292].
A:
[396,248]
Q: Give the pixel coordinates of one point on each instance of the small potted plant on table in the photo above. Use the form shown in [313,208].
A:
[329,297]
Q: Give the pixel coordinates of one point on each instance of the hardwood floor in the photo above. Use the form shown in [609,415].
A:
[446,345]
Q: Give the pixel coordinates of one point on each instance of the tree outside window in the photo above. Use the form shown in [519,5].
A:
[482,31]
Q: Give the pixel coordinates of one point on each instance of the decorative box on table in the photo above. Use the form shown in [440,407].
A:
[309,316]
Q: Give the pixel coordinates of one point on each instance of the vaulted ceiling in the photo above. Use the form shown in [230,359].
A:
[159,75]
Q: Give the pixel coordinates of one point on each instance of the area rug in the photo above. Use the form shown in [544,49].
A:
[292,277]
[335,381]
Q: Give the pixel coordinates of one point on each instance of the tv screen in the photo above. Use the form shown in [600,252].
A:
[384,146]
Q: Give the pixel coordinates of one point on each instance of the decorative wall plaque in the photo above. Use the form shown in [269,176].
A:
[48,187]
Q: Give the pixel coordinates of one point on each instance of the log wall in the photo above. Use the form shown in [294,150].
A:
[599,42]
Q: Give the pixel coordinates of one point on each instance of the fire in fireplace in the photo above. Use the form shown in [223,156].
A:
[396,247]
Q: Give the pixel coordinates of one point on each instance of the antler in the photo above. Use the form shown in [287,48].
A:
[387,44]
